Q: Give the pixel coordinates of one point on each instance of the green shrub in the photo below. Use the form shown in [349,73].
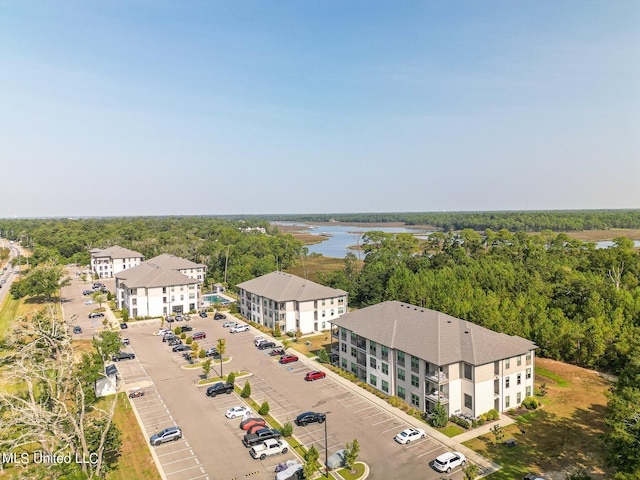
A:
[530,403]
[202,354]
[323,356]
[460,422]
[231,378]
[264,408]
[189,341]
[287,429]
[492,414]
[183,335]
[177,331]
[246,390]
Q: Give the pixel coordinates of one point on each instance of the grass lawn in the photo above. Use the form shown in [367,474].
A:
[451,430]
[312,265]
[562,435]
[135,460]
[346,474]
[316,343]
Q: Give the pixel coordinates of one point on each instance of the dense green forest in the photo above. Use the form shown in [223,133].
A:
[578,303]
[532,221]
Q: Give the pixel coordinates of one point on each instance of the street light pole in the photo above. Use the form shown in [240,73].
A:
[326,448]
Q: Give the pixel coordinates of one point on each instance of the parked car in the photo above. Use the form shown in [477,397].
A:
[246,423]
[212,352]
[219,316]
[186,328]
[96,315]
[181,348]
[288,359]
[199,335]
[265,345]
[260,436]
[163,332]
[239,411]
[532,476]
[337,460]
[410,434]
[123,326]
[258,339]
[203,314]
[77,329]
[240,328]
[167,435]
[174,341]
[170,336]
[170,319]
[123,356]
[219,388]
[314,375]
[448,461]
[292,471]
[229,324]
[255,427]
[89,302]
[126,341]
[87,292]
[179,318]
[310,417]
[268,448]
[277,352]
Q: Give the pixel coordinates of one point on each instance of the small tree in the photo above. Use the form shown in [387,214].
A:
[287,429]
[231,378]
[264,408]
[439,417]
[298,334]
[194,345]
[189,341]
[246,390]
[351,455]
[125,315]
[470,471]
[498,433]
[323,356]
[206,368]
[543,389]
[222,348]
[202,353]
[177,331]
[276,330]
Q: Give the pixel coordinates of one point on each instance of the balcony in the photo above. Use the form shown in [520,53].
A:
[434,398]
[437,377]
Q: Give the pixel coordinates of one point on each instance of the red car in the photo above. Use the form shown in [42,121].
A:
[288,359]
[199,335]
[315,375]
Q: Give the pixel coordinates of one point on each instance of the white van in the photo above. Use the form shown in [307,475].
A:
[293,472]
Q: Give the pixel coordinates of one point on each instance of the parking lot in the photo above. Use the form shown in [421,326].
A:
[211,446]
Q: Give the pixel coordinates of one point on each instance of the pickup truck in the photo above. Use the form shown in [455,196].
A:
[268,448]
[260,436]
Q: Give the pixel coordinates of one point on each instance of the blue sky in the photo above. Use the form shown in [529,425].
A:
[207,107]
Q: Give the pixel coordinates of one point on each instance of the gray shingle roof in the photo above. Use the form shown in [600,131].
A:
[116,252]
[433,336]
[281,287]
[148,275]
[174,263]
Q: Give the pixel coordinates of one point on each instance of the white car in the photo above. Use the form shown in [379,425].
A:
[239,411]
[448,461]
[240,328]
[410,434]
[89,302]
[163,331]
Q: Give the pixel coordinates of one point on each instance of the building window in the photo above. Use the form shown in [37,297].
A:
[528,373]
[354,338]
[519,360]
[323,313]
[468,402]
[400,356]
[333,312]
[507,382]
[332,301]
[323,300]
[528,391]
[528,357]
[415,381]
[343,334]
[519,379]
[401,393]
[507,363]
[415,400]
[518,397]
[343,362]
[384,351]
[507,401]
[373,380]
[415,364]
[324,325]
[373,347]
[385,368]
[353,352]
[385,386]
[372,362]
[401,374]
[354,368]
[343,347]
[468,371]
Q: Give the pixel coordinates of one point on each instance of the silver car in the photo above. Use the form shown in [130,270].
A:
[166,435]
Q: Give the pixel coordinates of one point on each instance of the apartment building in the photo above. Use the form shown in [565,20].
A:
[292,302]
[110,261]
[423,356]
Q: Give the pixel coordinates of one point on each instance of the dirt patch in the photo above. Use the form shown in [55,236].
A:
[602,235]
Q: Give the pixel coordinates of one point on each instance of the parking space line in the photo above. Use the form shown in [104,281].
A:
[392,428]
[176,451]
[167,414]
[383,421]
[430,451]
[374,414]
[177,461]
[365,408]
[179,471]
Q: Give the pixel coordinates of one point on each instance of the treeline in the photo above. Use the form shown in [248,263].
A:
[533,221]
[578,303]
[228,250]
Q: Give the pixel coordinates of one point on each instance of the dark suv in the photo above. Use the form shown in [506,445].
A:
[265,345]
[96,315]
[186,328]
[219,388]
[123,356]
[310,417]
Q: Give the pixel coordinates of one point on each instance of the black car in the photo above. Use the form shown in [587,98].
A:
[219,316]
[87,292]
[260,436]
[123,356]
[169,337]
[219,388]
[96,315]
[265,345]
[203,314]
[186,328]
[181,348]
[123,326]
[310,417]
